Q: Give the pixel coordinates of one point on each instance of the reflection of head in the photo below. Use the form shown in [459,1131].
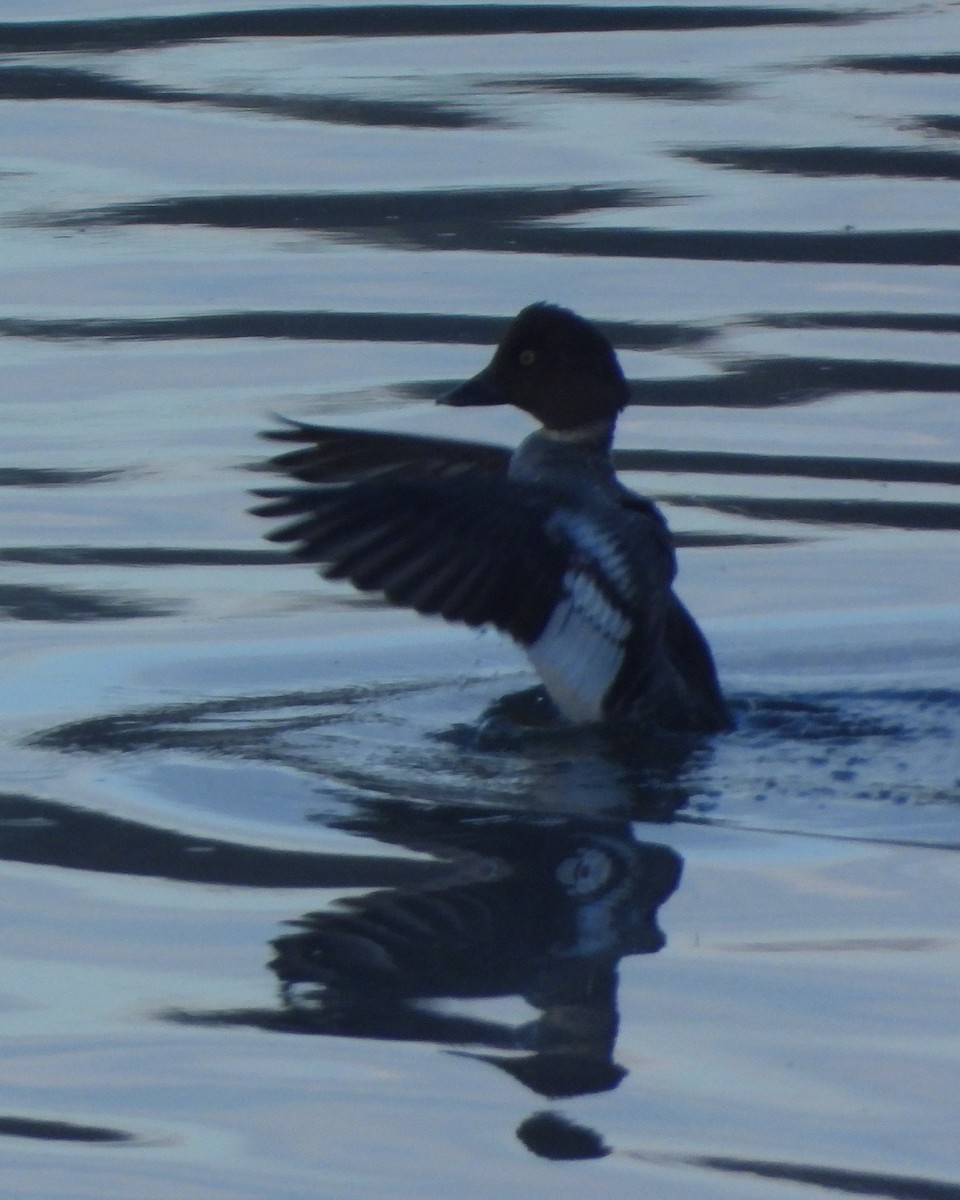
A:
[549,1135]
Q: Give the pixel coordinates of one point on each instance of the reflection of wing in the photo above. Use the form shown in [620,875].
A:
[327,454]
[475,548]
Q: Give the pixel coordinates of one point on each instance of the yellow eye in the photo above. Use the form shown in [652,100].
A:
[527,357]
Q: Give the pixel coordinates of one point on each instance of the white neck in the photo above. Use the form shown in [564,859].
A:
[595,432]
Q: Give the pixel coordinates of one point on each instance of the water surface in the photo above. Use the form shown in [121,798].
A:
[301,899]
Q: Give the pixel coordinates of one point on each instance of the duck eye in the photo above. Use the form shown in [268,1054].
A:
[527,357]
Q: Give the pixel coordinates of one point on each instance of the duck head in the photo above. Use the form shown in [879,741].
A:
[554,365]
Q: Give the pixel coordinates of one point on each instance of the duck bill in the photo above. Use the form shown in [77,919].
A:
[474,393]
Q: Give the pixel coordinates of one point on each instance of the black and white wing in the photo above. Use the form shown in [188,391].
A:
[328,454]
[607,627]
[475,549]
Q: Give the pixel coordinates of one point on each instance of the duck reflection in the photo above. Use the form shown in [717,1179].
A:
[544,910]
[540,908]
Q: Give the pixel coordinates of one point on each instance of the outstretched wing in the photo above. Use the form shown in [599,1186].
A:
[475,548]
[327,454]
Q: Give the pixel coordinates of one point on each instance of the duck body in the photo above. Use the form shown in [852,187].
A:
[545,544]
[601,654]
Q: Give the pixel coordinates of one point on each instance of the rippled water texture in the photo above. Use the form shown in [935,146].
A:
[306,897]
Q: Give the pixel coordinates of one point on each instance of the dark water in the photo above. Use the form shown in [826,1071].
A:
[300,898]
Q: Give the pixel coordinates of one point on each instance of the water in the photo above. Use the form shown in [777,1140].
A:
[520,960]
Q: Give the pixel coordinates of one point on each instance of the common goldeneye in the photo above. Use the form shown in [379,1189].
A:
[545,544]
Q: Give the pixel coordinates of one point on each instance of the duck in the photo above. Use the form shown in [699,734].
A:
[543,543]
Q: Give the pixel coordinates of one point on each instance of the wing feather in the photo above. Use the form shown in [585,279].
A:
[475,549]
[327,454]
